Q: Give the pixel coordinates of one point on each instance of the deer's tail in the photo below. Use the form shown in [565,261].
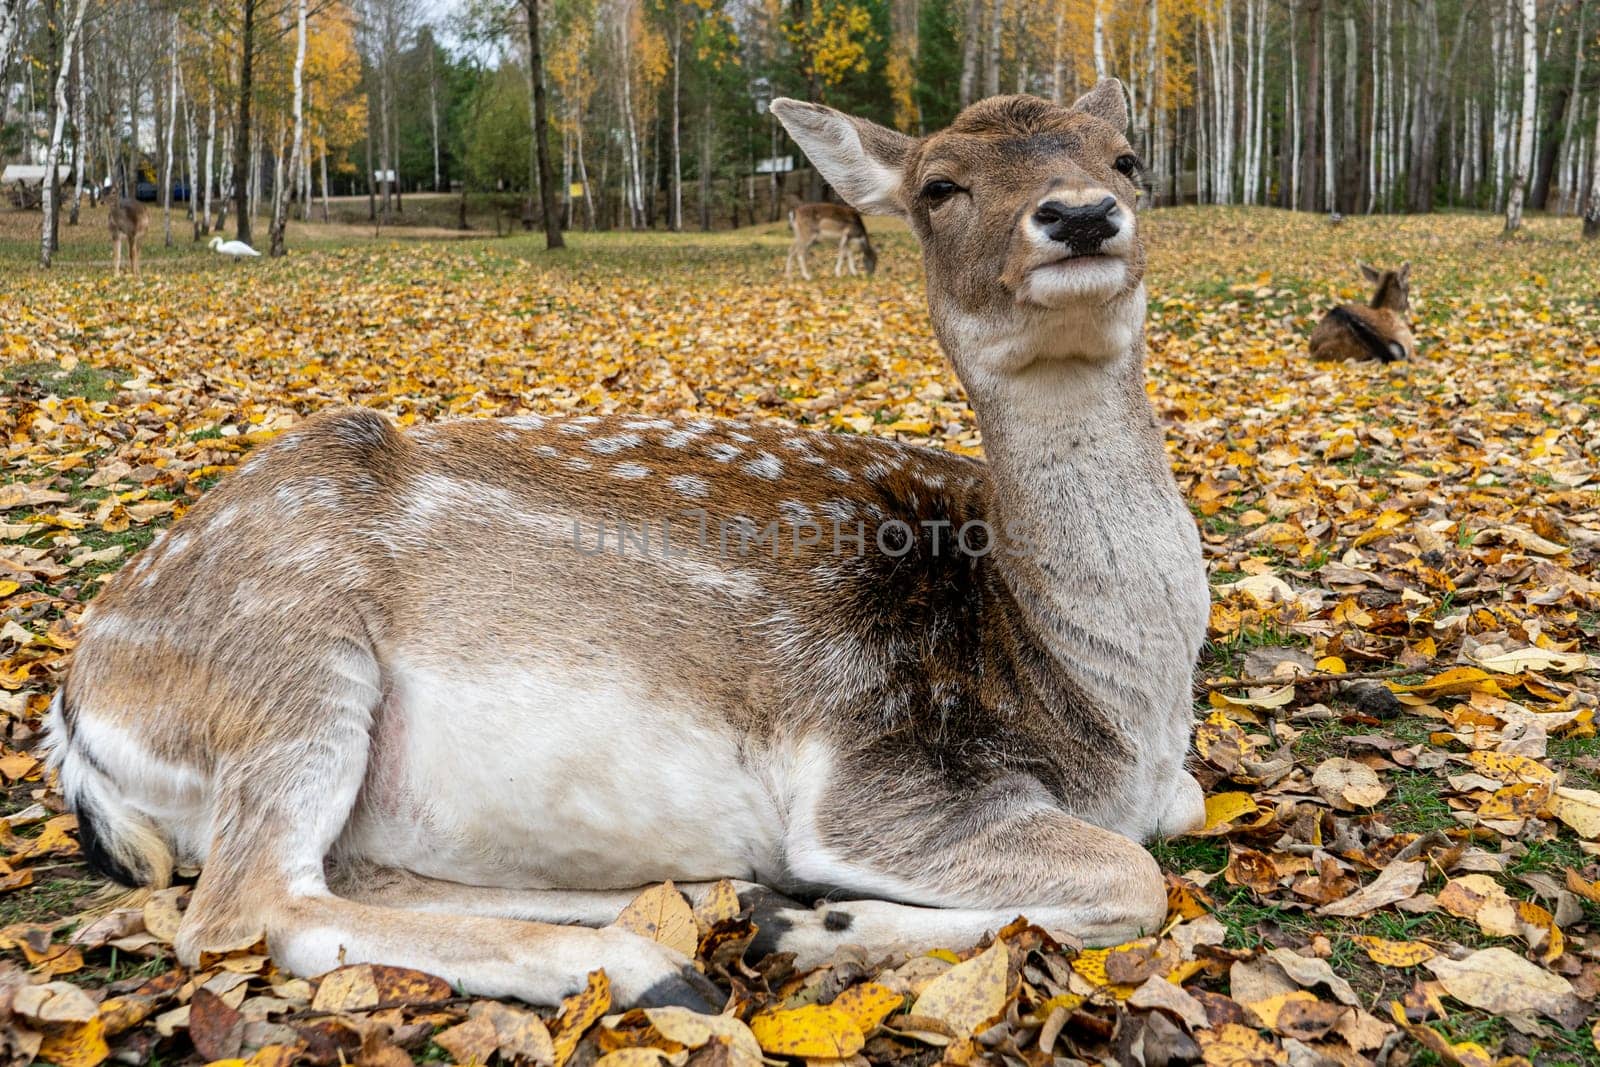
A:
[118,841]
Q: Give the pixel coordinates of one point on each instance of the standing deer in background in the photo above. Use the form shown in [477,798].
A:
[128,220]
[929,692]
[832,223]
[1377,331]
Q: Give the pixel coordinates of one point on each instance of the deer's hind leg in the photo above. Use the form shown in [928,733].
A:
[949,862]
[278,815]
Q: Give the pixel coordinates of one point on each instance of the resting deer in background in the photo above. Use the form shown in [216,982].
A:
[128,220]
[831,223]
[423,697]
[1377,331]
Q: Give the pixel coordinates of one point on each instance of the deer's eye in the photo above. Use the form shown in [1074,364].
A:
[938,191]
[1128,165]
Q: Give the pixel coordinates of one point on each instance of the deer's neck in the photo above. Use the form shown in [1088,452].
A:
[1107,564]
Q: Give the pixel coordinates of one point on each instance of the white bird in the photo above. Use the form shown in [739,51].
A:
[233,248]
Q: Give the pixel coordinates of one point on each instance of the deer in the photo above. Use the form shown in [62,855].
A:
[443,698]
[128,220]
[1378,330]
[829,222]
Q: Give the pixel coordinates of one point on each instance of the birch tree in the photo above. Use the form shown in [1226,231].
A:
[1591,212]
[52,183]
[281,187]
[1530,99]
[10,24]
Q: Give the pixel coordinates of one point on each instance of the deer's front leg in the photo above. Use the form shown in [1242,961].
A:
[950,862]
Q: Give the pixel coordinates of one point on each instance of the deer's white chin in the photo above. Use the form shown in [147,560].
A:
[1072,281]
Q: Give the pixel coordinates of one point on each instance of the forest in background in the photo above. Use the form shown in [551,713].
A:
[653,113]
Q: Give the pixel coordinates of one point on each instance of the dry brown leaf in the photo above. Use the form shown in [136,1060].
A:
[1500,981]
[1396,882]
[970,995]
[661,914]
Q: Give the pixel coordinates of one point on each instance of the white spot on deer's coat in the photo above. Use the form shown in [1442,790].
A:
[526,422]
[679,438]
[765,466]
[838,509]
[578,463]
[631,471]
[724,453]
[689,485]
[647,424]
[839,474]
[794,511]
[742,438]
[574,428]
[607,446]
[548,451]
[876,472]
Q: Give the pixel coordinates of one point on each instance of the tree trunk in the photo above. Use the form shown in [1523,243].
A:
[280,191]
[1530,102]
[1058,53]
[241,136]
[583,177]
[51,186]
[1309,162]
[541,126]
[10,23]
[1350,130]
[675,223]
[1591,211]
[385,159]
[1328,190]
[191,158]
[969,51]
[172,137]
[433,114]
[1099,40]
[991,65]
[79,142]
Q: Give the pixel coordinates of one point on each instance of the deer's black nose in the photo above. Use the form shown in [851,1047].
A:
[1083,228]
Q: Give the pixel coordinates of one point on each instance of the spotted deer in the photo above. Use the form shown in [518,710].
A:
[128,220]
[1378,330]
[831,223]
[426,698]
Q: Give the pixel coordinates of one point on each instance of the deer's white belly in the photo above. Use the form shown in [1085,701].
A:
[558,780]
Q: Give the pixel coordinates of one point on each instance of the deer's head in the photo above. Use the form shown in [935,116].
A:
[1025,213]
[1391,288]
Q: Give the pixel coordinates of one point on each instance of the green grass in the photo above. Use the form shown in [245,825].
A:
[46,377]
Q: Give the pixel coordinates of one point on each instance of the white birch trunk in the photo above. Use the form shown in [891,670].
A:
[1099,40]
[211,144]
[286,179]
[1591,208]
[1058,53]
[172,135]
[1530,100]
[53,158]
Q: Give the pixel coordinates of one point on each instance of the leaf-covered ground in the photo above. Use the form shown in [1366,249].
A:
[1396,706]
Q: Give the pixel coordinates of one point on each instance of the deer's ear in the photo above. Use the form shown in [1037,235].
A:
[1107,102]
[861,160]
[1370,273]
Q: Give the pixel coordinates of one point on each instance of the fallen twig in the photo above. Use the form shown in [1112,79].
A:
[1312,676]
